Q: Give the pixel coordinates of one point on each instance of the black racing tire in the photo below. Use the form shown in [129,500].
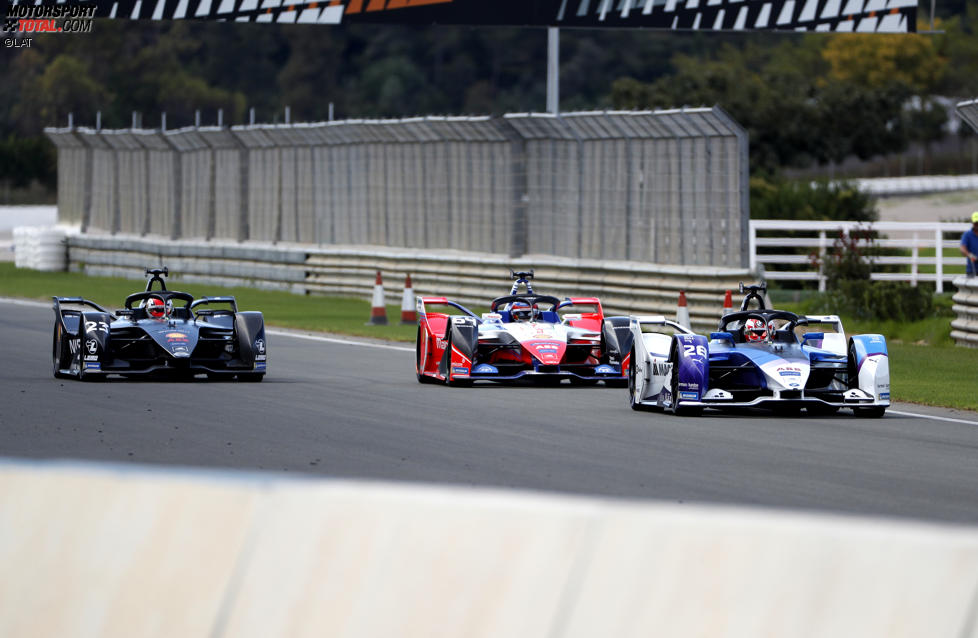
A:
[58,352]
[852,372]
[676,408]
[874,412]
[616,383]
[632,402]
[251,377]
[422,378]
[449,381]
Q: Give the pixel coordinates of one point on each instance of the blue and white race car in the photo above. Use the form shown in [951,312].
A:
[758,358]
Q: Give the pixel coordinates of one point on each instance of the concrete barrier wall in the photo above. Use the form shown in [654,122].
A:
[469,278]
[964,329]
[107,552]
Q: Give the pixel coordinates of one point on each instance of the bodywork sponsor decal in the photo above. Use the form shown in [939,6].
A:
[485,368]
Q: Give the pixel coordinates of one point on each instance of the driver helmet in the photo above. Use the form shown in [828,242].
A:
[521,311]
[754,330]
[155,307]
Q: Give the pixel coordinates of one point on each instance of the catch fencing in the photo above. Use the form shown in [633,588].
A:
[663,187]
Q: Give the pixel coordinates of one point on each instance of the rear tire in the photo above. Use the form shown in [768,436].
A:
[869,413]
[251,377]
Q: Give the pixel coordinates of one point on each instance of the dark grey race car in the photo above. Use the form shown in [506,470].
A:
[158,332]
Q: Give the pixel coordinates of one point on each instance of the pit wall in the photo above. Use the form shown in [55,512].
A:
[100,551]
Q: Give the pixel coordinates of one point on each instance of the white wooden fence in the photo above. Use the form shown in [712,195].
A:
[819,237]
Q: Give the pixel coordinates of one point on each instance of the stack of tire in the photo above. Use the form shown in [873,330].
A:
[41,248]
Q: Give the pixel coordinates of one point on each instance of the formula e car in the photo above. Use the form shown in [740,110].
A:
[759,357]
[524,335]
[158,332]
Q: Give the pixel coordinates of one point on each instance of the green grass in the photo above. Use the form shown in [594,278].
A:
[283,309]
[924,367]
[942,376]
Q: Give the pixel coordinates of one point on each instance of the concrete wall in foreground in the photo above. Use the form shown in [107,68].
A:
[106,552]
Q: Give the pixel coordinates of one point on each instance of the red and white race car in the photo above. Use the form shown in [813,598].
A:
[523,335]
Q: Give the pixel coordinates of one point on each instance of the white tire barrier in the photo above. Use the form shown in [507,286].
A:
[41,247]
[964,329]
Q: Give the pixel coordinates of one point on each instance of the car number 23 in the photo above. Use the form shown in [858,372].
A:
[96,326]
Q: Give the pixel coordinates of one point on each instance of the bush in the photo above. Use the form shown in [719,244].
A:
[821,201]
[877,300]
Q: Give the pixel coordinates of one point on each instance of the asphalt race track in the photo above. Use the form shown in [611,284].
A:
[341,409]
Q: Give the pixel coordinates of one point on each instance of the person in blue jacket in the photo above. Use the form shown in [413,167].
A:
[969,246]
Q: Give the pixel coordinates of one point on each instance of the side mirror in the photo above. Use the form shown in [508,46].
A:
[721,336]
[813,335]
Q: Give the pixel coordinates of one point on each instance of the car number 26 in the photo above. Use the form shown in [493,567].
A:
[690,350]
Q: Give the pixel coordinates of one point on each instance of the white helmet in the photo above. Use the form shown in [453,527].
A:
[755,330]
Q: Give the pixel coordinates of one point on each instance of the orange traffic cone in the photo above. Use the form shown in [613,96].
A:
[682,314]
[727,304]
[409,315]
[378,311]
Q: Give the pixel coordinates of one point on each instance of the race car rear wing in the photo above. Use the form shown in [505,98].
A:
[203,301]
[423,302]
[75,314]
[650,321]
[79,301]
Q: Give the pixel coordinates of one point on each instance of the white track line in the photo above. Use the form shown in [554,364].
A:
[27,302]
[930,416]
[345,342]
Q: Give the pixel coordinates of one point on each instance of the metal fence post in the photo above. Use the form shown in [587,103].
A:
[939,260]
[913,262]
[822,242]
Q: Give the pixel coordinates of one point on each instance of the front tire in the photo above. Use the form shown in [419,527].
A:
[419,359]
[677,409]
[58,352]
[251,377]
[633,389]
[874,412]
